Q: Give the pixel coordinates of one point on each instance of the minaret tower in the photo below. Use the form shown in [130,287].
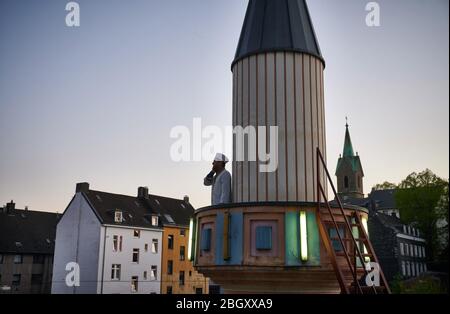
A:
[277,235]
[278,81]
[349,171]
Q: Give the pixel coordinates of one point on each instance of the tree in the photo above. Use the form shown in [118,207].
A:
[421,199]
[384,186]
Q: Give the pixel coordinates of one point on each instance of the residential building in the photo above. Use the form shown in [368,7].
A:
[27,240]
[178,273]
[115,239]
[119,243]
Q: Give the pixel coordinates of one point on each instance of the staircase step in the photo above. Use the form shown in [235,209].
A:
[349,239]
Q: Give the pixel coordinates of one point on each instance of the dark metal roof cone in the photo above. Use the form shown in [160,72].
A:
[277,25]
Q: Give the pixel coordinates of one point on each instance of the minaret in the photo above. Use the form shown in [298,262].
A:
[275,237]
[349,171]
[278,81]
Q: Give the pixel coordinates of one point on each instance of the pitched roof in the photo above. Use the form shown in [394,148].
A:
[385,199]
[390,221]
[137,211]
[277,25]
[27,231]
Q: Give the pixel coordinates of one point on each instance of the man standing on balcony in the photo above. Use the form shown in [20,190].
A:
[220,180]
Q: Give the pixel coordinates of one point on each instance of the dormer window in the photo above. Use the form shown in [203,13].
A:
[155,220]
[118,217]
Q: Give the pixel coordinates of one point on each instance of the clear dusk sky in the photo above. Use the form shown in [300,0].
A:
[96,103]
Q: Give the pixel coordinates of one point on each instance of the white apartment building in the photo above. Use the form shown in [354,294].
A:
[115,239]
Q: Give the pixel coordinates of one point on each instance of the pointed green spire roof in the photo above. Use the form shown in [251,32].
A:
[348,147]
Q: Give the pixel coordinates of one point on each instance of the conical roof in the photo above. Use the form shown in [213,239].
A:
[348,147]
[277,25]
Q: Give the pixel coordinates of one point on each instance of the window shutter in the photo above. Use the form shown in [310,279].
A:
[206,239]
[264,238]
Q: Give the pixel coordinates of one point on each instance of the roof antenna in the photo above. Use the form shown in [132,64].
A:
[346,122]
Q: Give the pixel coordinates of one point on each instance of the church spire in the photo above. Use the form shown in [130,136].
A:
[348,147]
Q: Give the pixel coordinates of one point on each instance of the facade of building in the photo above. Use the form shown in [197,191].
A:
[116,240]
[399,247]
[178,274]
[27,240]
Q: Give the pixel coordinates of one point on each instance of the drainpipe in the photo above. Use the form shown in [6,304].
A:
[103,260]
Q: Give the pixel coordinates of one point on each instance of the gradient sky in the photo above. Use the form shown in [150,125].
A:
[97,103]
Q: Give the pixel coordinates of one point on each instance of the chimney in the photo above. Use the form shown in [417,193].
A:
[10,207]
[186,199]
[143,192]
[82,187]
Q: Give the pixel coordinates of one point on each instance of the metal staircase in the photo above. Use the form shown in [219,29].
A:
[350,254]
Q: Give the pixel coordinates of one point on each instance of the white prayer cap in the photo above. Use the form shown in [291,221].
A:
[221,157]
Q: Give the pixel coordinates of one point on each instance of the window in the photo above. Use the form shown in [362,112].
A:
[145,247]
[190,273]
[181,278]
[36,279]
[117,243]
[155,246]
[137,233]
[335,238]
[423,251]
[118,216]
[403,268]
[155,220]
[18,259]
[263,238]
[402,249]
[169,290]
[145,275]
[406,249]
[206,239]
[346,182]
[182,232]
[16,280]
[134,284]
[38,259]
[154,272]
[170,242]
[182,253]
[115,272]
[135,257]
[169,218]
[408,269]
[169,267]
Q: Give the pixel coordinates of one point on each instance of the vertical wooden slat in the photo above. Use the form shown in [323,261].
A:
[252,171]
[281,118]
